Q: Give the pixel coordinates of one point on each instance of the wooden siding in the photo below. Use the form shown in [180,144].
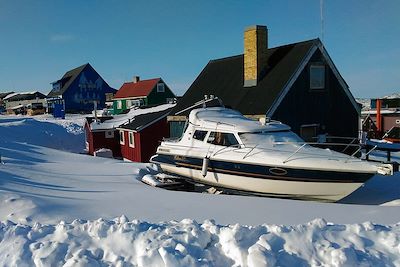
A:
[388,121]
[146,142]
[130,153]
[329,107]
[81,99]
[157,98]
[98,140]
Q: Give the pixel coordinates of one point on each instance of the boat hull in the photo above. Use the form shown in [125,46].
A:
[265,180]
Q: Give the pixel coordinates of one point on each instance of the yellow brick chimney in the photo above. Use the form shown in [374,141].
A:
[255,54]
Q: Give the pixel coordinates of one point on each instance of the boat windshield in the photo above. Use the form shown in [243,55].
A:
[269,139]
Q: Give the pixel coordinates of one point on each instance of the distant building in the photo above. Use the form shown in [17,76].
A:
[297,84]
[142,93]
[78,89]
[381,118]
[2,103]
[19,103]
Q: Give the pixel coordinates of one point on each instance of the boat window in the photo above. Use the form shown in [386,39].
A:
[222,139]
[268,139]
[199,135]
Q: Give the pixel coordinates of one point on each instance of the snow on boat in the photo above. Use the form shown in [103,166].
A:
[222,148]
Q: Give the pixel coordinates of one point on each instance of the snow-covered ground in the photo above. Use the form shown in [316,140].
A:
[61,208]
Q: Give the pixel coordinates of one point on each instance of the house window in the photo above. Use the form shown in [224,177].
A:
[317,77]
[160,88]
[119,104]
[171,100]
[109,134]
[129,103]
[121,138]
[131,140]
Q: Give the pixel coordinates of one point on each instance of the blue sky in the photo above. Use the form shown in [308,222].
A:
[41,40]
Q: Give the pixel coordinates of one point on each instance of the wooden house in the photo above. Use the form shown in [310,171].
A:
[297,84]
[142,93]
[78,89]
[105,132]
[140,138]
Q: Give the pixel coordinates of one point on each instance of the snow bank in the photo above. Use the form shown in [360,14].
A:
[41,186]
[44,131]
[121,242]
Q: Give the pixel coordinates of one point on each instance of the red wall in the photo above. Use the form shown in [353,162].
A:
[98,140]
[146,142]
[388,121]
[130,153]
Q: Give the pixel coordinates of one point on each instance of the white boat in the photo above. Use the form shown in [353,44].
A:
[222,148]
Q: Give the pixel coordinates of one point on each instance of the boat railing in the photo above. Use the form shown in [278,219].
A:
[226,147]
[304,144]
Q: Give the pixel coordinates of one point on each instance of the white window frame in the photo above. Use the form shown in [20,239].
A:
[121,137]
[109,134]
[131,138]
[321,84]
[119,104]
[129,103]
[160,88]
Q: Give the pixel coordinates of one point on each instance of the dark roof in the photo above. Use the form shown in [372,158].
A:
[2,95]
[26,96]
[67,79]
[224,79]
[140,122]
[137,89]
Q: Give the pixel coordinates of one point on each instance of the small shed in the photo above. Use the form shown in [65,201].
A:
[100,138]
[140,138]
[102,131]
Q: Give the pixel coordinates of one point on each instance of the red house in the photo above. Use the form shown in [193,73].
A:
[139,138]
[105,132]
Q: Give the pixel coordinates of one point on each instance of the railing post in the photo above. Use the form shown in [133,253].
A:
[286,160]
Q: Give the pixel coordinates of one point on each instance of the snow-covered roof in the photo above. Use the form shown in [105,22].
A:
[17,107]
[383,111]
[19,93]
[121,119]
[225,119]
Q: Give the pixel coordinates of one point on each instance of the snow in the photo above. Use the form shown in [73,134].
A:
[19,93]
[59,208]
[118,120]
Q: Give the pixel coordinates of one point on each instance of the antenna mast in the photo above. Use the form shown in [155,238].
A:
[321,5]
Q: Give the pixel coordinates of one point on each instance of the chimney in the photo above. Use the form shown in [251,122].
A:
[255,54]
[136,79]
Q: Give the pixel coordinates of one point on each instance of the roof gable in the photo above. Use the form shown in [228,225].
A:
[138,89]
[225,73]
[67,80]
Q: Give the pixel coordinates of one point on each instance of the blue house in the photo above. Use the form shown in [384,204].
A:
[78,90]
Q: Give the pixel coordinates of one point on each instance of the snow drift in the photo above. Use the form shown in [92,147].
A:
[50,202]
[121,242]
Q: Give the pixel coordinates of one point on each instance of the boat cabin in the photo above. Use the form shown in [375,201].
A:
[229,128]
